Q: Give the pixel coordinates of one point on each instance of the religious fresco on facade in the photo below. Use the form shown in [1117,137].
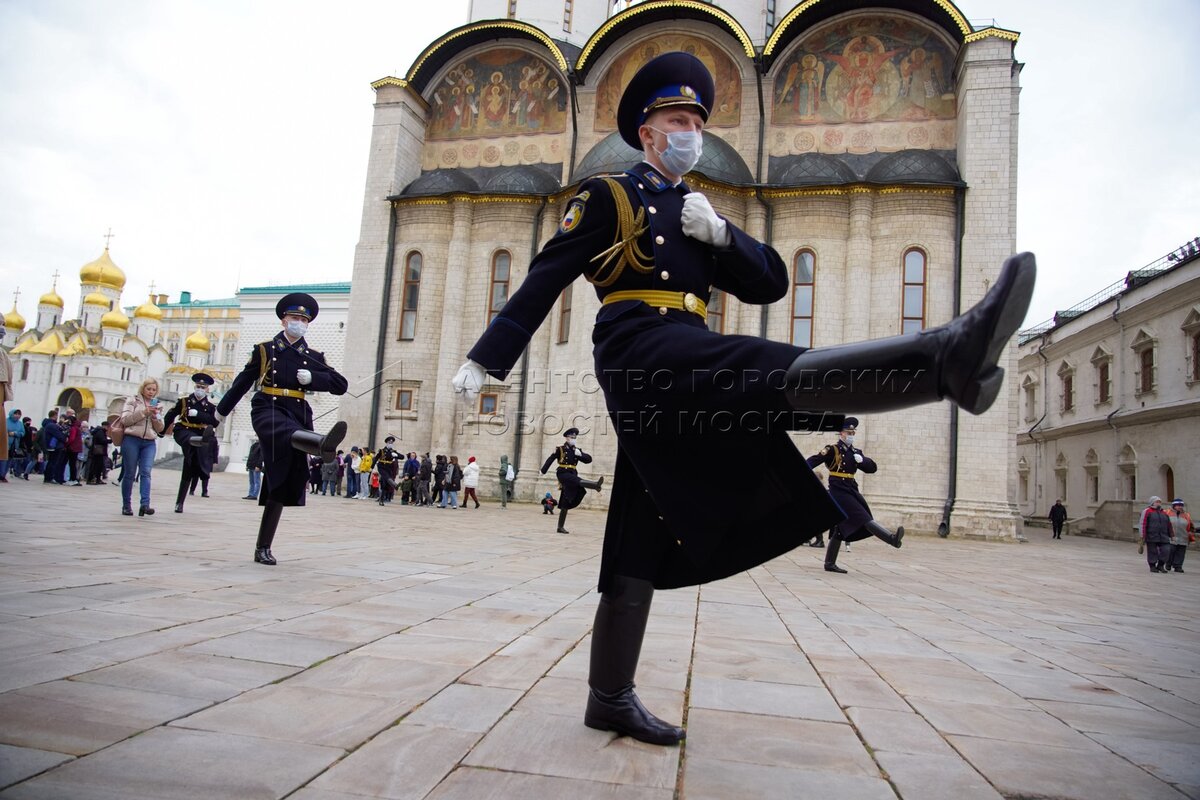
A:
[727,106]
[888,77]
[500,92]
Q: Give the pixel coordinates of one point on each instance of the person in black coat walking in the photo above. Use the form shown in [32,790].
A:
[1057,516]
[191,421]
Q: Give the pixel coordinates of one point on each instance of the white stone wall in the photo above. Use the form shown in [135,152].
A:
[1132,434]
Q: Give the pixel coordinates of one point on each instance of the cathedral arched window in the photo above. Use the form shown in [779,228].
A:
[716,311]
[912,318]
[501,272]
[803,287]
[230,349]
[564,315]
[410,296]
[173,348]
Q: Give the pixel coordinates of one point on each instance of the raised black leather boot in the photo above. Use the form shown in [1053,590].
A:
[315,444]
[616,646]
[595,485]
[831,554]
[562,520]
[894,539]
[956,361]
[266,533]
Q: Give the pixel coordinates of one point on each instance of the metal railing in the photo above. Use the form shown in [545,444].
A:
[1137,277]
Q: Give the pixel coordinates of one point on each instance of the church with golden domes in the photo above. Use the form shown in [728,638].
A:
[93,361]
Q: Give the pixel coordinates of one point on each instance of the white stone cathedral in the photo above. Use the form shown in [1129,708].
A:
[874,148]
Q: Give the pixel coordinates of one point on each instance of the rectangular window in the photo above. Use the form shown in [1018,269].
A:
[567,4]
[1093,488]
[564,316]
[410,296]
[512,9]
[1146,360]
[913,310]
[1068,389]
[1196,357]
[488,403]
[716,312]
[404,398]
[802,298]
[24,369]
[498,296]
[62,373]
[1104,383]
[1131,483]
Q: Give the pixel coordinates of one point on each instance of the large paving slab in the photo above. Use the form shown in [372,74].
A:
[416,653]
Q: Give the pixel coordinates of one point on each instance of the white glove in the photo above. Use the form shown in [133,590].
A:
[858,458]
[702,223]
[219,417]
[469,379]
[192,412]
[303,377]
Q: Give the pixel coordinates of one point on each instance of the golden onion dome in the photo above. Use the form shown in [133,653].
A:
[50,298]
[96,299]
[102,272]
[13,320]
[115,319]
[148,310]
[197,341]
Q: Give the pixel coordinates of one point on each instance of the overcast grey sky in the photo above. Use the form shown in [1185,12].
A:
[225,141]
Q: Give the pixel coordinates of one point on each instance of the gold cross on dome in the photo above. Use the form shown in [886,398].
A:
[108,237]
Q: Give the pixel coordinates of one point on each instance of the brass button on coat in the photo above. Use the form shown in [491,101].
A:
[664,275]
[662,310]
[659,240]
[653,210]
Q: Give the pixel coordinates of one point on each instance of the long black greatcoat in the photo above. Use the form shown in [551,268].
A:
[667,378]
[275,419]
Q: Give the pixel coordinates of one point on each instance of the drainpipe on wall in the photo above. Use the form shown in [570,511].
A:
[769,226]
[533,248]
[384,313]
[943,529]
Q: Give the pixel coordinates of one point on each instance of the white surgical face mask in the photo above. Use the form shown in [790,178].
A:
[850,441]
[571,440]
[683,151]
[296,328]
[199,393]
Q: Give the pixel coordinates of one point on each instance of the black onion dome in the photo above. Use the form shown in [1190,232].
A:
[441,181]
[913,166]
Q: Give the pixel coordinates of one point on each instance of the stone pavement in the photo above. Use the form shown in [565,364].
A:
[415,653]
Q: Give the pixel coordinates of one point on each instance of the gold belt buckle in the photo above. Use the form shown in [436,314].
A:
[691,303]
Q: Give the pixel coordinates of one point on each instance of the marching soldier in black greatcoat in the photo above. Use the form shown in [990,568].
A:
[572,487]
[654,249]
[843,460]
[285,370]
[387,462]
[191,422]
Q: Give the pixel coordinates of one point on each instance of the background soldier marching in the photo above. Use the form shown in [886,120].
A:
[286,369]
[843,460]
[191,422]
[572,488]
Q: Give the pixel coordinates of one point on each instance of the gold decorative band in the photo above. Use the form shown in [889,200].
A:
[680,301]
[840,475]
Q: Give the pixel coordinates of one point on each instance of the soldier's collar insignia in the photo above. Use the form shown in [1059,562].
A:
[574,213]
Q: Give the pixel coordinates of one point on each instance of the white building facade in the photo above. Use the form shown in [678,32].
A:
[1110,401]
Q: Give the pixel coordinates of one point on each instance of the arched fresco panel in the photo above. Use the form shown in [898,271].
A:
[865,84]
[494,109]
[727,110]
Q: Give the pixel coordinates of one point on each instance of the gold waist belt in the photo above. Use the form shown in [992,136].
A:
[271,390]
[841,475]
[195,425]
[566,466]
[680,301]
